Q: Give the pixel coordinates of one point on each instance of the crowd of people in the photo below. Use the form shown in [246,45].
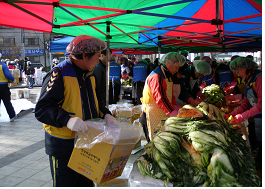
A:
[74,91]
[26,68]
[167,84]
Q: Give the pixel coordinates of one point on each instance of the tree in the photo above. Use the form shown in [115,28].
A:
[11,52]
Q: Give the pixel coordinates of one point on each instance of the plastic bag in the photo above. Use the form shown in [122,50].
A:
[136,179]
[118,134]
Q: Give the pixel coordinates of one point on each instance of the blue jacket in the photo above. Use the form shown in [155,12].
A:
[225,77]
[5,74]
[114,71]
[207,79]
[139,72]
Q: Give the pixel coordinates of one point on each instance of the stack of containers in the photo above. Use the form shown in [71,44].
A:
[16,75]
[38,76]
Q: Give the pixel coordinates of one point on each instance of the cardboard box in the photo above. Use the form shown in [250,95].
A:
[124,112]
[138,144]
[102,162]
[136,116]
[117,182]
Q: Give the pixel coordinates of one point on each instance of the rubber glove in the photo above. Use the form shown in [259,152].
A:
[110,120]
[237,119]
[233,97]
[77,124]
[15,81]
[201,95]
[174,113]
[226,116]
[191,101]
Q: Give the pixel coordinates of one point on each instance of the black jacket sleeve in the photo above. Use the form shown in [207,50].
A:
[101,100]
[48,109]
[184,94]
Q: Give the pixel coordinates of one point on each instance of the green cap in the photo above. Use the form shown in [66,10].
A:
[184,52]
[143,61]
[147,60]
[197,58]
[173,57]
[203,67]
[242,62]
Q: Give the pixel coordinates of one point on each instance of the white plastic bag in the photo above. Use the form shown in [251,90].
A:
[120,133]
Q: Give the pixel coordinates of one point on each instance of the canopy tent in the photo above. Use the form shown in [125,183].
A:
[195,25]
[149,25]
[61,44]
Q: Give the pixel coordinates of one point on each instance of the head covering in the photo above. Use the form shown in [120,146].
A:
[207,59]
[16,60]
[2,60]
[55,60]
[147,60]
[250,57]
[183,69]
[28,62]
[123,59]
[202,67]
[234,57]
[184,53]
[197,58]
[143,61]
[242,62]
[85,44]
[173,57]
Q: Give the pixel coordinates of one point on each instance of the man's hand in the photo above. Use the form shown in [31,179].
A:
[110,120]
[77,124]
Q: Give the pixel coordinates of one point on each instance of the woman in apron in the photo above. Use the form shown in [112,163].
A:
[158,100]
[251,105]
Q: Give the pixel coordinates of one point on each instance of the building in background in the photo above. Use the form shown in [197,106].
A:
[32,44]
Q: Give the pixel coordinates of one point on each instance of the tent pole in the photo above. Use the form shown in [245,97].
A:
[159,45]
[261,59]
[50,60]
[107,64]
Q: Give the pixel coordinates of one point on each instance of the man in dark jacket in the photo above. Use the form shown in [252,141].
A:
[30,71]
[5,94]
[100,73]
[68,98]
[114,81]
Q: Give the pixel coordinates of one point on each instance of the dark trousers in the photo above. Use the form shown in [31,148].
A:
[252,135]
[139,87]
[64,176]
[31,81]
[143,121]
[114,98]
[5,96]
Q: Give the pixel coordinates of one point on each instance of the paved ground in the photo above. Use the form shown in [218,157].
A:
[23,162]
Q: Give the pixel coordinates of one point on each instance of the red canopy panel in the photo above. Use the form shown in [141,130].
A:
[206,12]
[29,16]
